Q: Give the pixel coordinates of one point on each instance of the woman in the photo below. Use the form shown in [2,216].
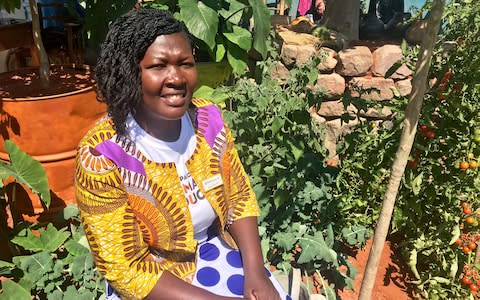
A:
[163,196]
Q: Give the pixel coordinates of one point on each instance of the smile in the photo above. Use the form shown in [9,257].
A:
[174,99]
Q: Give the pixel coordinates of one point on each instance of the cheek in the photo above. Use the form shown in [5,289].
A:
[150,84]
[193,79]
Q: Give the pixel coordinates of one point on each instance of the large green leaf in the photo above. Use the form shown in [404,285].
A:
[28,241]
[80,265]
[314,247]
[6,267]
[28,171]
[12,290]
[237,58]
[50,239]
[75,248]
[34,266]
[240,36]
[6,171]
[234,12]
[261,20]
[201,20]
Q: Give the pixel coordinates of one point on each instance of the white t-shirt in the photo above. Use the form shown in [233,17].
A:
[177,152]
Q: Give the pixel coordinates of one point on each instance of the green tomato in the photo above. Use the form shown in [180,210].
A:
[476,138]
[476,132]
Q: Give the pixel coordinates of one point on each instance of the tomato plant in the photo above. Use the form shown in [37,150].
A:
[426,217]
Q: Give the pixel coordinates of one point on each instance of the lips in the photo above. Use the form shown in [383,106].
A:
[175,100]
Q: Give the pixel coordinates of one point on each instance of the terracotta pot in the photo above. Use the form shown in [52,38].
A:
[49,128]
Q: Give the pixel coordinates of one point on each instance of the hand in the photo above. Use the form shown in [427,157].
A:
[259,287]
[320,6]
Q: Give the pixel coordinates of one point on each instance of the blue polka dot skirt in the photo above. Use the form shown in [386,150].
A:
[219,270]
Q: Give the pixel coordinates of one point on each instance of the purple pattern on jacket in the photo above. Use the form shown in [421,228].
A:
[215,123]
[116,154]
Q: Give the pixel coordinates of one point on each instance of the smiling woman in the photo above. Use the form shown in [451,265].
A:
[165,202]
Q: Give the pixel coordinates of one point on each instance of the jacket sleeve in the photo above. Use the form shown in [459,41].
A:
[114,235]
[242,199]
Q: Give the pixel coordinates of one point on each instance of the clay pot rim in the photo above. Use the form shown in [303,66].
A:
[72,66]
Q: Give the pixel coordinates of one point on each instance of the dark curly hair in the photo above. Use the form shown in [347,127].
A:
[117,71]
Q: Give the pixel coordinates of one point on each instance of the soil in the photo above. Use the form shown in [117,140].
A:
[392,281]
[63,79]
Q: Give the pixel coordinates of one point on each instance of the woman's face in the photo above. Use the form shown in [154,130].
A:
[168,76]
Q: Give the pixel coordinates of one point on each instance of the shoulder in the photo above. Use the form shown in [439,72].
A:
[102,130]
[208,113]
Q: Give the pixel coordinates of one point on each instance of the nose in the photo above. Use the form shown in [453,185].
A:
[175,76]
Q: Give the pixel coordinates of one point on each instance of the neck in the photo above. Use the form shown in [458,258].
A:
[158,127]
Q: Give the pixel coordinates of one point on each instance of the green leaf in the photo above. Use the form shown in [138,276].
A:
[240,37]
[261,20]
[237,58]
[28,241]
[296,147]
[6,171]
[28,171]
[6,267]
[12,290]
[81,265]
[52,238]
[99,15]
[277,124]
[10,5]
[203,92]
[70,212]
[34,266]
[417,184]
[280,197]
[285,240]
[220,49]
[314,247]
[234,12]
[201,21]
[393,68]
[55,295]
[75,248]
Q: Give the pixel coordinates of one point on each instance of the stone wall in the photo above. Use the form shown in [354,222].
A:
[358,70]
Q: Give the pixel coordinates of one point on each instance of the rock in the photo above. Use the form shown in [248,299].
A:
[331,85]
[328,63]
[334,129]
[335,108]
[296,55]
[293,38]
[279,71]
[375,88]
[404,87]
[354,61]
[385,57]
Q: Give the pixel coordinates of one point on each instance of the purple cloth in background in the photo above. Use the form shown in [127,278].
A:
[304,6]
[215,123]
[115,153]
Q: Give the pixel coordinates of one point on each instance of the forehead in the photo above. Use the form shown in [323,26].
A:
[178,40]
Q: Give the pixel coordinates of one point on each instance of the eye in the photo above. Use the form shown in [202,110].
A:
[187,64]
[158,66]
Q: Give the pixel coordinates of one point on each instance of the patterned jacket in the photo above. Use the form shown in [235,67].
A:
[134,211]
